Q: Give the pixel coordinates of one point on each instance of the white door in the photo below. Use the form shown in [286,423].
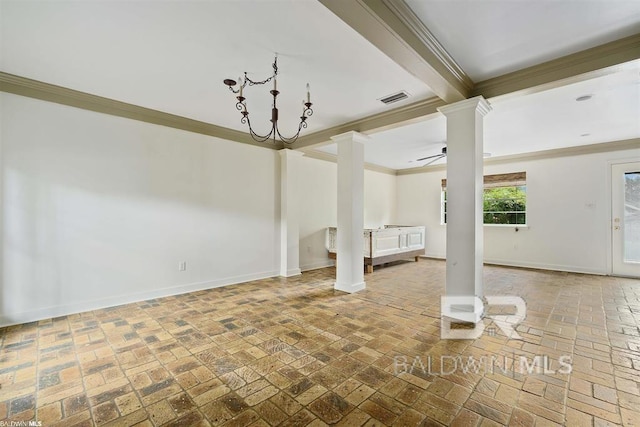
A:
[625,197]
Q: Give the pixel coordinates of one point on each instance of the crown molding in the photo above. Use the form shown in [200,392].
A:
[603,147]
[558,72]
[408,17]
[397,32]
[387,120]
[327,157]
[421,169]
[48,92]
[478,103]
[351,136]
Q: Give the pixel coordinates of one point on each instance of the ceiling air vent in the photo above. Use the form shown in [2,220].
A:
[399,96]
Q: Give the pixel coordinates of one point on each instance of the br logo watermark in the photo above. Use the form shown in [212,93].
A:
[468,310]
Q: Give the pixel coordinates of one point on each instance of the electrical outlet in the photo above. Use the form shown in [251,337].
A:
[182,266]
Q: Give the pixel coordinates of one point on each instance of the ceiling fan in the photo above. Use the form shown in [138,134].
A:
[442,155]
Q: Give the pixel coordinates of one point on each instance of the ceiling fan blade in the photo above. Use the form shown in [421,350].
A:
[438,157]
[430,157]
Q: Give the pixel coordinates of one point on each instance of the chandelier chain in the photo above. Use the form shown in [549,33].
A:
[274,133]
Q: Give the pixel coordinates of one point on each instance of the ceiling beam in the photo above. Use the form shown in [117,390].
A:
[389,119]
[393,27]
[333,158]
[579,66]
[23,86]
[578,150]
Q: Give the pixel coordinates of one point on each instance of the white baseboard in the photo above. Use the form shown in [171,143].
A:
[542,266]
[317,265]
[535,265]
[290,273]
[350,288]
[8,319]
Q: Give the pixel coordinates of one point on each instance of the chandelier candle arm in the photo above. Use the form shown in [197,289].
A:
[274,133]
[274,109]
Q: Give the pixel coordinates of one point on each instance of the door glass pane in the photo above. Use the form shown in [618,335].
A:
[632,217]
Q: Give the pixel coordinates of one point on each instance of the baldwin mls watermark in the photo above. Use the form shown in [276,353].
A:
[468,311]
[508,365]
[20,423]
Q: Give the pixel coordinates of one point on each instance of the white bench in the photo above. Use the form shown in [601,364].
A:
[383,245]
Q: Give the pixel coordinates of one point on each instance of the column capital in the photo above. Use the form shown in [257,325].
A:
[477,103]
[351,136]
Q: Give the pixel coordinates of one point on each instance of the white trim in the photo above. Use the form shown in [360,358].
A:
[408,17]
[480,104]
[80,307]
[534,265]
[441,257]
[579,150]
[576,67]
[291,272]
[609,197]
[541,266]
[526,226]
[351,136]
[318,265]
[609,234]
[333,158]
[23,86]
[349,288]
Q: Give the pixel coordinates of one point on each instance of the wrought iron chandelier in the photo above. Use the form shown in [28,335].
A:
[241,106]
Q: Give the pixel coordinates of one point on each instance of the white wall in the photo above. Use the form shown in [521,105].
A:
[318,207]
[568,205]
[99,210]
[418,198]
[380,199]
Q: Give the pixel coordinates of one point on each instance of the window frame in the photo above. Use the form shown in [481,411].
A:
[516,179]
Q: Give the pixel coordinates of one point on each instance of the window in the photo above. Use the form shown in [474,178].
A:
[505,199]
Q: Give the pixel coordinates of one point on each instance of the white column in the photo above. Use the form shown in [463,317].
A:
[289,202]
[464,200]
[3,299]
[350,240]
